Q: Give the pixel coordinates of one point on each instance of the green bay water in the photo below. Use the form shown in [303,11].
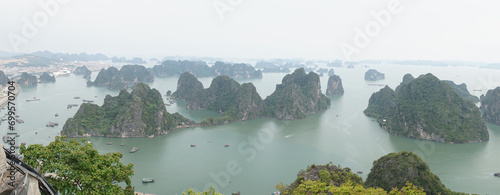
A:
[264,152]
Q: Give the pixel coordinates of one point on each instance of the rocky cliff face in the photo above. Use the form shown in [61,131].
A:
[427,108]
[334,86]
[234,101]
[27,79]
[137,114]
[374,75]
[126,77]
[298,95]
[490,106]
[83,70]
[46,78]
[3,78]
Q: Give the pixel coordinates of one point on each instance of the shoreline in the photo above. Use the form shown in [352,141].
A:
[4,100]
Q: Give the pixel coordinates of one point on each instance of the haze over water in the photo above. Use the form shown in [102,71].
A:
[264,152]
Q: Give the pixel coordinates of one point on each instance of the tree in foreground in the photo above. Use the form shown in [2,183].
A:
[209,192]
[77,168]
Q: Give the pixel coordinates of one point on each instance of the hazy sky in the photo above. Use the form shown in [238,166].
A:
[312,29]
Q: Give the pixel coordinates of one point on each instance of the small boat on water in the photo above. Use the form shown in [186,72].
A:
[134,149]
[109,143]
[76,97]
[88,101]
[193,145]
[148,180]
[227,145]
[122,144]
[34,99]
[52,124]
[57,114]
[359,172]
[497,174]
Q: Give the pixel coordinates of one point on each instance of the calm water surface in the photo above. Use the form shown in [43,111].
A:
[264,152]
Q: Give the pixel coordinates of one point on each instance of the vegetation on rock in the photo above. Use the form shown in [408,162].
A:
[137,114]
[374,75]
[83,70]
[427,108]
[298,95]
[46,78]
[490,106]
[395,170]
[27,79]
[201,69]
[124,78]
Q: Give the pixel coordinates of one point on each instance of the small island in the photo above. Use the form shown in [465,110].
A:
[46,78]
[427,108]
[297,96]
[201,69]
[490,106]
[27,79]
[83,70]
[334,86]
[140,113]
[125,78]
[374,75]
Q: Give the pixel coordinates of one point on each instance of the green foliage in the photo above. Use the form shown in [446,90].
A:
[490,106]
[120,79]
[396,169]
[79,168]
[143,109]
[317,187]
[462,91]
[209,192]
[298,95]
[382,104]
[431,106]
[234,101]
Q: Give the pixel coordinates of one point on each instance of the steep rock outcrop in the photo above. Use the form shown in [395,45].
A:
[234,101]
[298,95]
[236,70]
[27,80]
[334,86]
[490,106]
[126,77]
[83,70]
[137,114]
[427,108]
[46,78]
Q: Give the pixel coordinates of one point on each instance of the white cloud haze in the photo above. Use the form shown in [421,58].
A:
[314,29]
